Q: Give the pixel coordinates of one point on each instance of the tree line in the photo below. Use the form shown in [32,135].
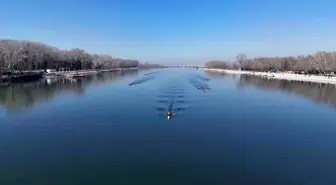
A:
[27,55]
[318,63]
[149,66]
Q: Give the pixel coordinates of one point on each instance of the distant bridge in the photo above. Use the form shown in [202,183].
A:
[184,66]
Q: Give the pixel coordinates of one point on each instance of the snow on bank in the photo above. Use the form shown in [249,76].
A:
[281,76]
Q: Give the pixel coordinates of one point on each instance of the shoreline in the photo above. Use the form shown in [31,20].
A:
[280,76]
[83,73]
[34,75]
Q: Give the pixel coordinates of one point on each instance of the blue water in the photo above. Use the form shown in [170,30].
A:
[100,130]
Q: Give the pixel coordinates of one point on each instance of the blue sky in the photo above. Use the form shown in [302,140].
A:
[175,31]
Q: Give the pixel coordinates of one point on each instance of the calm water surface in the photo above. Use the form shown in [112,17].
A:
[100,130]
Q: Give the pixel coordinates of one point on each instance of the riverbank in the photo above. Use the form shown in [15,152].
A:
[38,74]
[280,76]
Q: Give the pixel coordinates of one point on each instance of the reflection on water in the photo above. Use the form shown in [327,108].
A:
[319,93]
[17,97]
[215,74]
[116,134]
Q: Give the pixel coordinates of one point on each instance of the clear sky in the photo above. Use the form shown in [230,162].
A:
[175,31]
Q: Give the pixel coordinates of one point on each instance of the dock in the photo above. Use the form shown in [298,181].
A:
[51,74]
[78,74]
[21,77]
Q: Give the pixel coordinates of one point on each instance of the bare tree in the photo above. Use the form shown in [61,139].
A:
[219,64]
[319,63]
[27,55]
[241,59]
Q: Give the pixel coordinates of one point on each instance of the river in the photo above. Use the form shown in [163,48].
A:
[100,130]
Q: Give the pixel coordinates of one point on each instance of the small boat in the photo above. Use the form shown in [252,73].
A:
[169,115]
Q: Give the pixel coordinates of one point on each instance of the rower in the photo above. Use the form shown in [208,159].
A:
[168,114]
